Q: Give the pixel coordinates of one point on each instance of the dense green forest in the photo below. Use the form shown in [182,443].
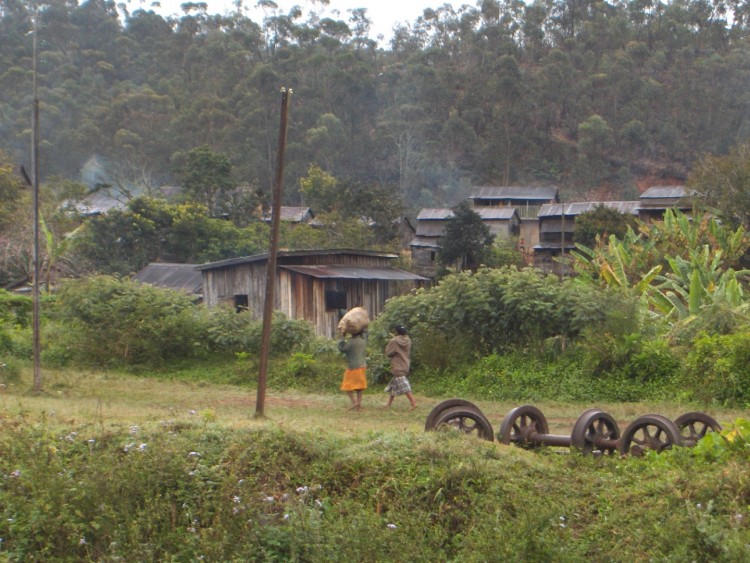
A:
[597,97]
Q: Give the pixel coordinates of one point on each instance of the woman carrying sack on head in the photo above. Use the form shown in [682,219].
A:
[398,350]
[355,376]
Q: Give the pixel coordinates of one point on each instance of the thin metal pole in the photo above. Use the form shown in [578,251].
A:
[35,168]
[562,241]
[268,307]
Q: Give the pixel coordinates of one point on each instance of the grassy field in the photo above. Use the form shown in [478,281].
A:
[107,467]
[101,400]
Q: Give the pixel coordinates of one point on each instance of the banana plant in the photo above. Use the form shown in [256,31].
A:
[618,264]
[692,284]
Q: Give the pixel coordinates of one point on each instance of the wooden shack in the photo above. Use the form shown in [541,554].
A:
[657,199]
[557,227]
[316,285]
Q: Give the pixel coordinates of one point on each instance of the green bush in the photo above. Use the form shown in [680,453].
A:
[108,321]
[10,370]
[718,369]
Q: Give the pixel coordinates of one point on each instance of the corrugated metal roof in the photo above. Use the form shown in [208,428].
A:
[423,242]
[354,272]
[174,276]
[496,213]
[431,214]
[515,192]
[291,214]
[97,204]
[664,192]
[555,209]
[292,254]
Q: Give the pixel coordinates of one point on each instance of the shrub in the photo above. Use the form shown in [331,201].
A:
[10,370]
[110,321]
[718,369]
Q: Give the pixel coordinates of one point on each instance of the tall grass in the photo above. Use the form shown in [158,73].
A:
[104,467]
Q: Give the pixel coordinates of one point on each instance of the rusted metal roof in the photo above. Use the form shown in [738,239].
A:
[285,254]
[572,209]
[183,277]
[664,192]
[434,214]
[354,272]
[545,193]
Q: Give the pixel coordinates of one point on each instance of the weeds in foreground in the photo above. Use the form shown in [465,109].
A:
[184,492]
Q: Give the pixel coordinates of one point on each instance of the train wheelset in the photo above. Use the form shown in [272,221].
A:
[594,433]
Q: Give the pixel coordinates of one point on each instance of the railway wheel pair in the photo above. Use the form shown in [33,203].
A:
[460,415]
[596,432]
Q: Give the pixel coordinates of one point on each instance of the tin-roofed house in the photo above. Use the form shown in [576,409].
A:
[316,285]
[503,222]
[556,230]
[527,201]
[291,214]
[431,223]
[657,199]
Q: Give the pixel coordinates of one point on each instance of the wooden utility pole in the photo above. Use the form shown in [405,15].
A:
[268,307]
[35,181]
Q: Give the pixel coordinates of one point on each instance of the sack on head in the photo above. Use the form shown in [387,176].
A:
[354,321]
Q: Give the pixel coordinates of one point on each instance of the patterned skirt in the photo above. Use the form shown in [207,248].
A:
[355,379]
[398,386]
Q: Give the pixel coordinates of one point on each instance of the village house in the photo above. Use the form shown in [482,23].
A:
[657,199]
[291,214]
[316,285]
[527,201]
[556,229]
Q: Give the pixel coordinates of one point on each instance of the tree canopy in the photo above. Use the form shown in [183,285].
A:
[585,95]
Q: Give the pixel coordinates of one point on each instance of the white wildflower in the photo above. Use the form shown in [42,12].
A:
[82,541]
[142,447]
[236,499]
[286,516]
[391,526]
[269,499]
[301,490]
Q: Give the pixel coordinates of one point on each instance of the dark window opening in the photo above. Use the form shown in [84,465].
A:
[241,303]
[335,299]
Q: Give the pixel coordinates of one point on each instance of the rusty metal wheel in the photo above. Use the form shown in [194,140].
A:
[519,423]
[595,431]
[444,406]
[649,432]
[694,425]
[466,419]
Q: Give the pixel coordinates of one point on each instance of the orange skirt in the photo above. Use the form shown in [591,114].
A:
[354,379]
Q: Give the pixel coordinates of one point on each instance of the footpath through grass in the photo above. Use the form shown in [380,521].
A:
[103,468]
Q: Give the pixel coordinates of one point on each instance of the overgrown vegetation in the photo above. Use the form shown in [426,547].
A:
[201,491]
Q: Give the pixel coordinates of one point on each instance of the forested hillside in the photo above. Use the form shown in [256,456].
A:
[592,96]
